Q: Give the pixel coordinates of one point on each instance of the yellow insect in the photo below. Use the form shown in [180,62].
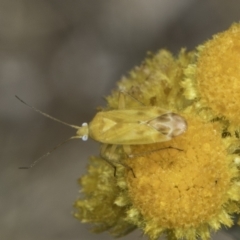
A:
[141,125]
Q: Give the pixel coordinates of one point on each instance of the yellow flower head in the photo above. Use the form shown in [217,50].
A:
[184,191]
[216,74]
[188,186]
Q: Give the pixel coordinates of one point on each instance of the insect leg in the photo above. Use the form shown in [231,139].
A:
[128,168]
[113,158]
[121,100]
[151,151]
[121,96]
[103,155]
[127,149]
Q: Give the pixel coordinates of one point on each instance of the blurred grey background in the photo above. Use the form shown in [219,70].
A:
[63,57]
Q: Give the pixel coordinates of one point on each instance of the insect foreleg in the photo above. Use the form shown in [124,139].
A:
[112,157]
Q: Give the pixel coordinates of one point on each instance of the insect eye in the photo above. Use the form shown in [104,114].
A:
[85,137]
[84,124]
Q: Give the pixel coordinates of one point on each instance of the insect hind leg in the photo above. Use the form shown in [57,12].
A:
[112,158]
[154,150]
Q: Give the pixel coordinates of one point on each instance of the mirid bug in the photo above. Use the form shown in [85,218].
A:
[141,125]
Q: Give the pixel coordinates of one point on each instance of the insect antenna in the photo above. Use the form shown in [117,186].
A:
[48,153]
[47,115]
[79,135]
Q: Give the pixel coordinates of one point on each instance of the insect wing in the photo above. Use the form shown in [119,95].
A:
[129,127]
[134,115]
